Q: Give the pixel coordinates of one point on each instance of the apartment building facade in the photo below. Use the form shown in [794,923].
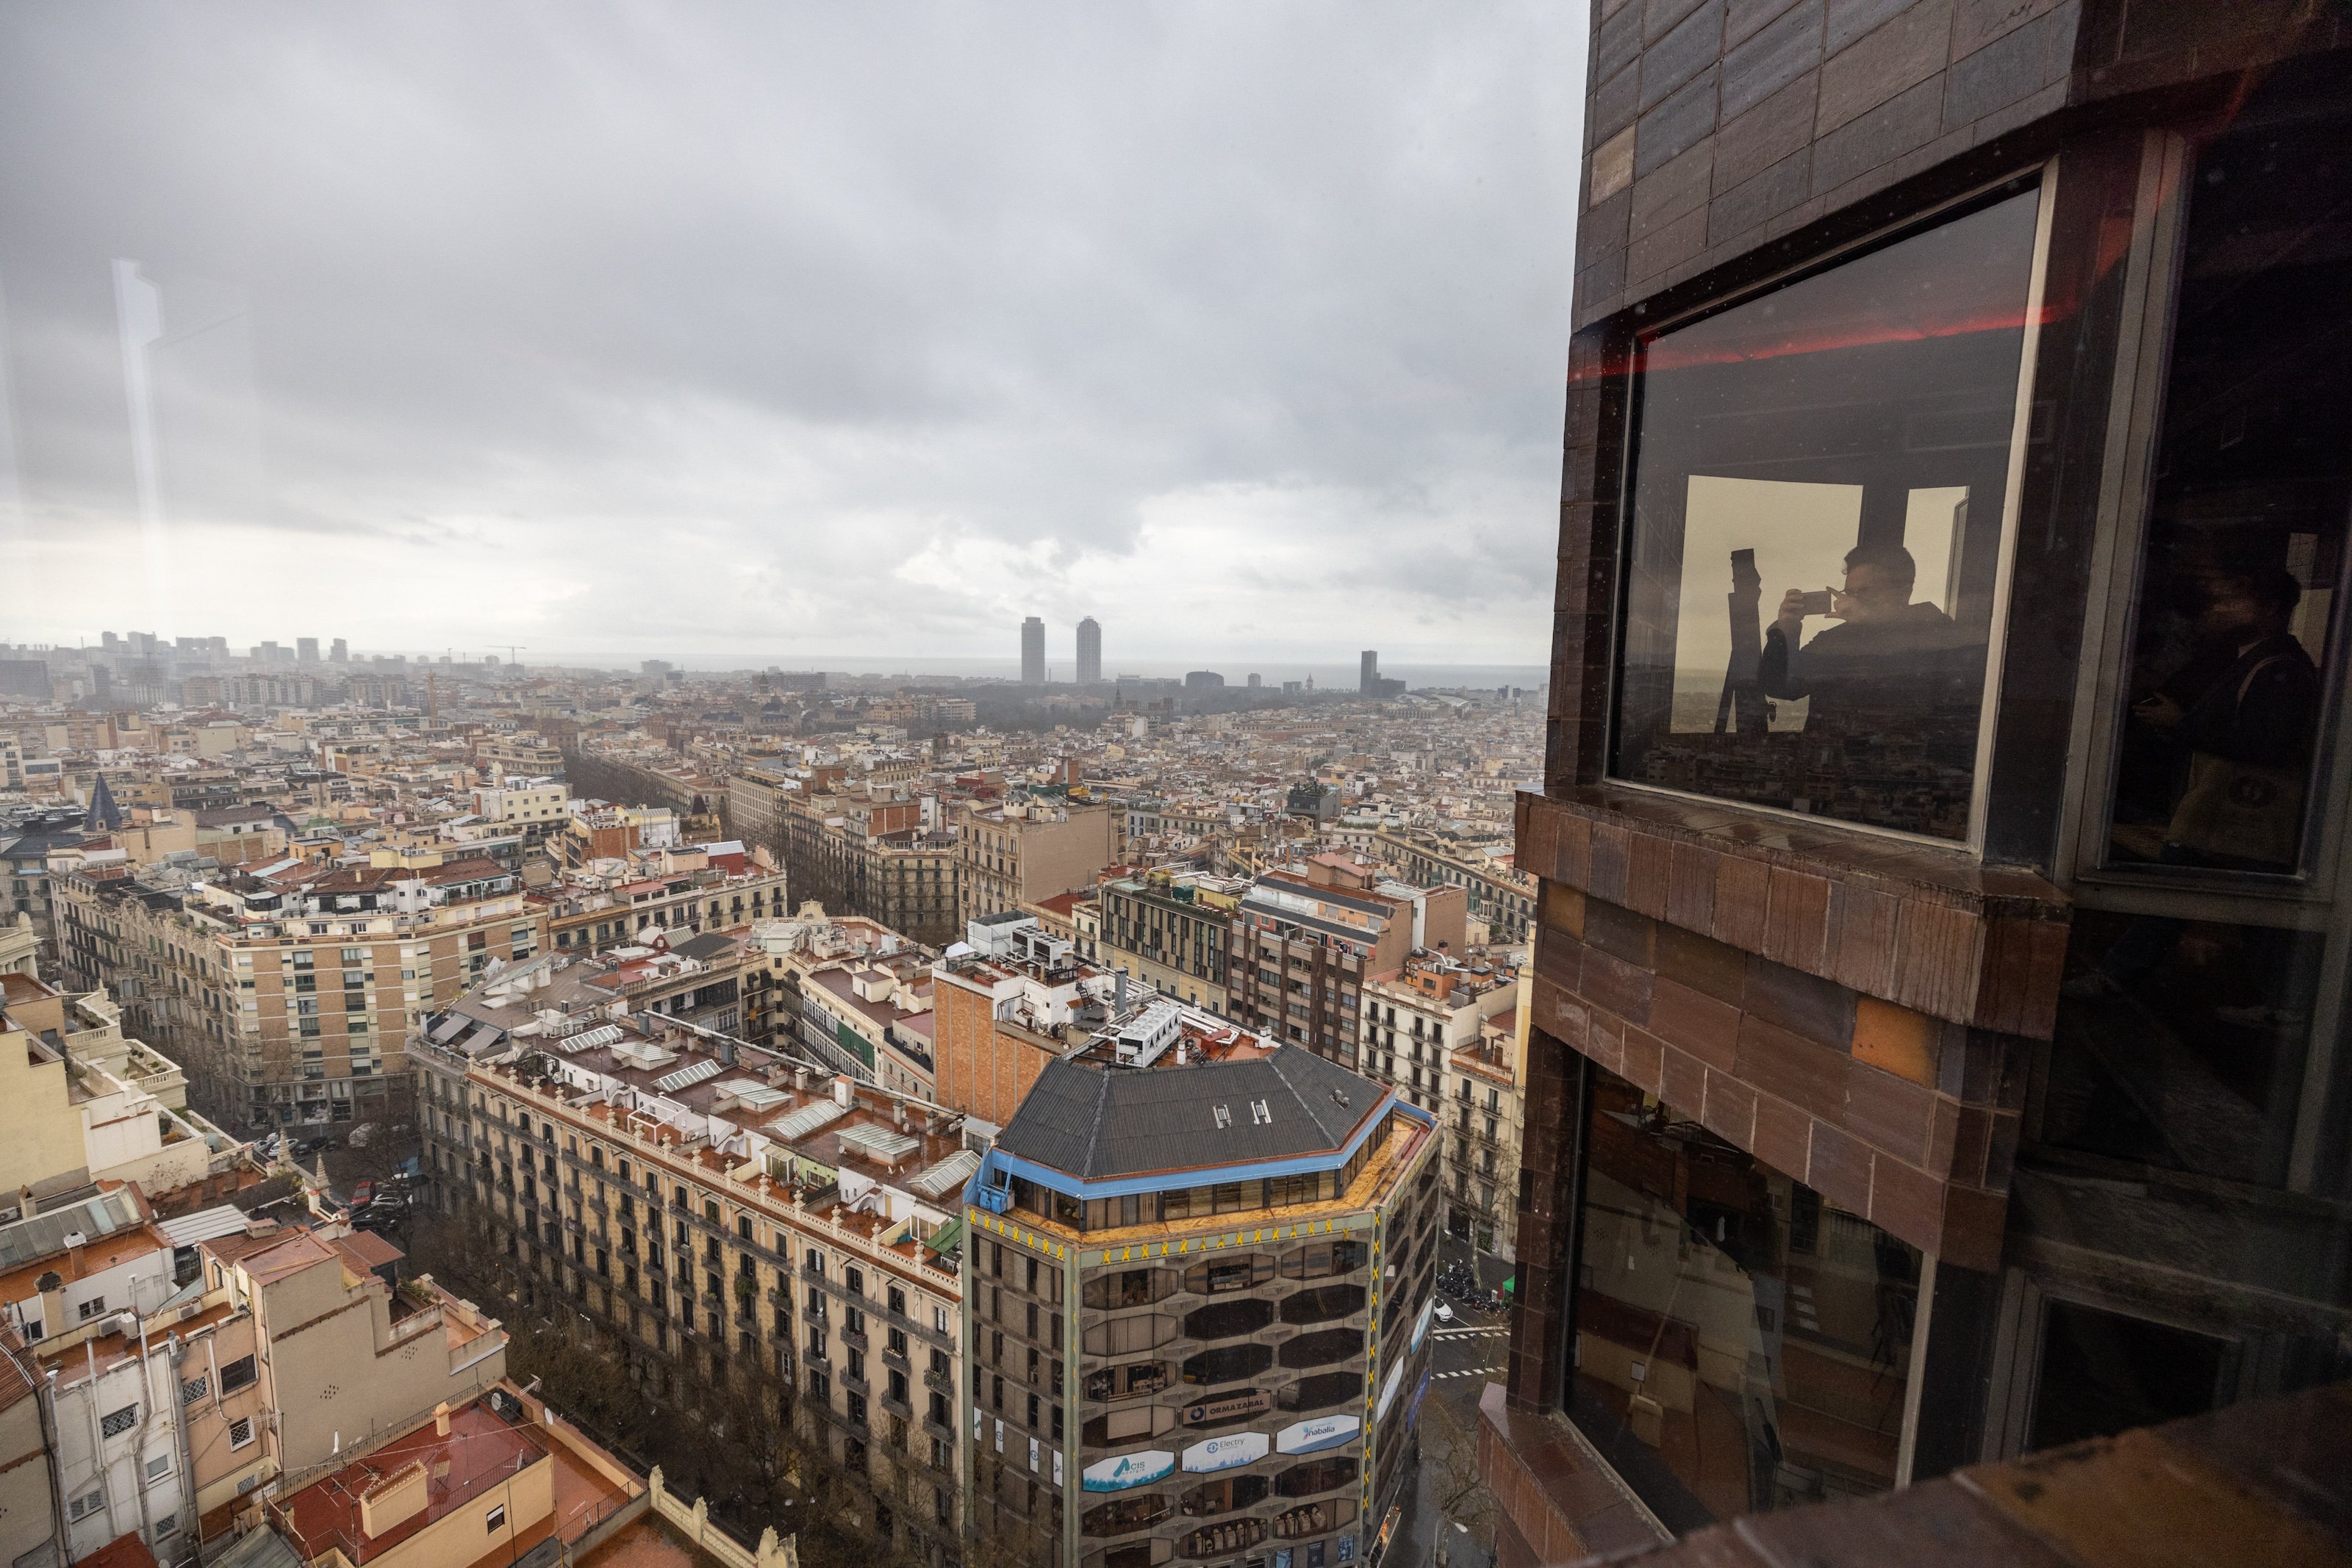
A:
[1302,944]
[1023,849]
[1437,1033]
[593,910]
[1499,896]
[1199,1310]
[1925,1001]
[874,858]
[286,996]
[728,1216]
[1171,930]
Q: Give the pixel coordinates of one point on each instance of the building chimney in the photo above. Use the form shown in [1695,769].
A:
[441,1419]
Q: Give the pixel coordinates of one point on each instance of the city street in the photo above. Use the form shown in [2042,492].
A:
[1450,1510]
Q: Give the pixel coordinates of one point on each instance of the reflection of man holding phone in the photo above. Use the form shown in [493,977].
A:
[1885,659]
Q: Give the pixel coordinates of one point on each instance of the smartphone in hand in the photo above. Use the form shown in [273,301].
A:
[1821,604]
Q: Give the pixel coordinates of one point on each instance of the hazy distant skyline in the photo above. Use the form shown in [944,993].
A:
[759,335]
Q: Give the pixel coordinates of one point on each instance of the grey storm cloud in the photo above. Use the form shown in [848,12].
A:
[774,329]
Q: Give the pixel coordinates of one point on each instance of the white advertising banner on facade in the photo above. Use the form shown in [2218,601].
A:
[1125,1470]
[1321,1432]
[1224,1453]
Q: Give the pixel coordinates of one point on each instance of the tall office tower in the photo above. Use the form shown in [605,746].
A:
[1033,651]
[340,653]
[306,650]
[1203,1269]
[2082,1018]
[1369,683]
[1089,652]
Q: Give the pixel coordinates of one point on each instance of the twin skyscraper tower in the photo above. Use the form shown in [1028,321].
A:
[1033,651]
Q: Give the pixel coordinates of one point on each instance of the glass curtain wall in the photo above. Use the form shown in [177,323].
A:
[1740,1343]
[1820,474]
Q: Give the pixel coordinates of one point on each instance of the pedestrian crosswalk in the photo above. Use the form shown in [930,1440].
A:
[1471,1333]
[1469,1371]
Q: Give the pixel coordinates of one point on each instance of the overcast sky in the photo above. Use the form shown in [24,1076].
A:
[776,332]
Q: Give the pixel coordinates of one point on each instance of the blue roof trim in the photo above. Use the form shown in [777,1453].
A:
[997,1166]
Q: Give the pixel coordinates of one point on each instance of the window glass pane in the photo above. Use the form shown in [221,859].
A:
[1741,1343]
[2244,557]
[2103,1372]
[2181,1043]
[1818,490]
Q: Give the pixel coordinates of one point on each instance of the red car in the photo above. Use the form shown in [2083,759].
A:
[363,1194]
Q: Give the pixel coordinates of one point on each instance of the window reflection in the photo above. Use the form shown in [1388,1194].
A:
[2181,1043]
[1817,504]
[1741,1343]
[2245,551]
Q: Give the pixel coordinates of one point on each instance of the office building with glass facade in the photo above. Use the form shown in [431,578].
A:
[1937,1045]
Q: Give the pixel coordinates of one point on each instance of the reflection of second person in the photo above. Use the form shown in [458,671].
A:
[1884,652]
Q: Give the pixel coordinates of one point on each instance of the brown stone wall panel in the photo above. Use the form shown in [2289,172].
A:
[1977,23]
[1838,1167]
[1841,160]
[1938,951]
[1943,1139]
[1649,875]
[1849,20]
[1862,937]
[1967,1065]
[1563,909]
[1560,959]
[1742,19]
[1611,857]
[1621,933]
[1896,1040]
[1907,1201]
[1681,1081]
[1562,1013]
[1933,1526]
[1973,1221]
[1796,919]
[1742,892]
[1572,854]
[1695,1022]
[1888,1113]
[1605,1044]
[1673,192]
[1690,887]
[1905,50]
[1806,1074]
[1971,1141]
[2024,963]
[1778,127]
[1535,837]
[1782,1135]
[1800,1002]
[1620,987]
[1644,1057]
[1704,965]
[1731,1110]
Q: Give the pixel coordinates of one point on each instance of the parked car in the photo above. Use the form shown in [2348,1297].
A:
[363,1194]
